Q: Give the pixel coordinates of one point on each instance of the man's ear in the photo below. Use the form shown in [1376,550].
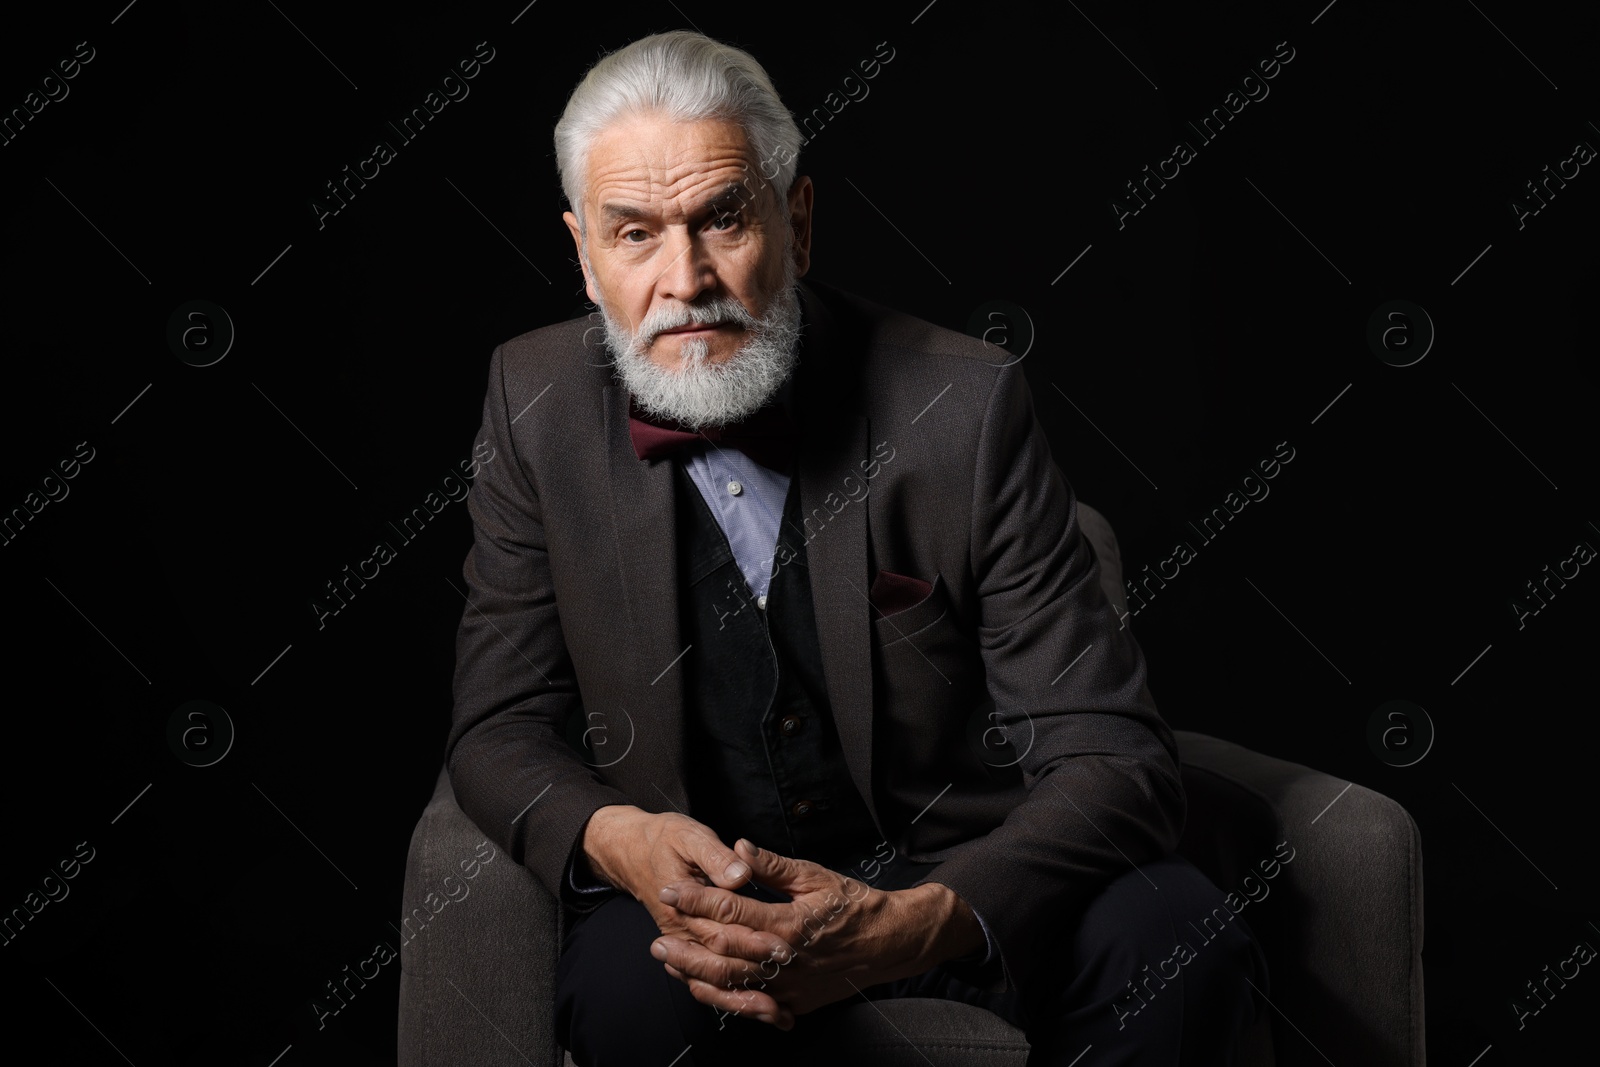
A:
[577,243]
[801,194]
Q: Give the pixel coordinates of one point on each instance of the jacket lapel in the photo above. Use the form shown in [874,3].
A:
[833,451]
[643,516]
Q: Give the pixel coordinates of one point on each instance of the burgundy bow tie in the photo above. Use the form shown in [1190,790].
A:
[768,436]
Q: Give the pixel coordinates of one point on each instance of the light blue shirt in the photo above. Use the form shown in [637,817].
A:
[747,500]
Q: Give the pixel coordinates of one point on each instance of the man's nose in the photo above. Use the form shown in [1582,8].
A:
[688,271]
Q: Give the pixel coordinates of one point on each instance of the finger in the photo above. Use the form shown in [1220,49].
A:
[737,941]
[784,1003]
[723,906]
[793,876]
[697,961]
[731,985]
[738,1001]
[771,976]
[719,862]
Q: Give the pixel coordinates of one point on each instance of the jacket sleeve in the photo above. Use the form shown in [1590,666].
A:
[1101,768]
[513,772]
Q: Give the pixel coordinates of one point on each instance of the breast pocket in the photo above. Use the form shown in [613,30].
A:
[902,623]
[928,684]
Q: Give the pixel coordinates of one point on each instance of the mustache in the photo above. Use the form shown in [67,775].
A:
[714,312]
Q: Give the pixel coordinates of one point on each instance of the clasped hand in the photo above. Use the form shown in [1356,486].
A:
[774,961]
[835,935]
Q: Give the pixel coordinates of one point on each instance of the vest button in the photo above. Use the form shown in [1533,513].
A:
[791,724]
[801,809]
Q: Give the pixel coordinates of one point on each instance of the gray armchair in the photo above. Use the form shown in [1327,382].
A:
[1341,925]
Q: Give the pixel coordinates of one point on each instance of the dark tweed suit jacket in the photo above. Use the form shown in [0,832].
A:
[919,457]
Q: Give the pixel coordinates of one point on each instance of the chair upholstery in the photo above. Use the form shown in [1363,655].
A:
[1340,923]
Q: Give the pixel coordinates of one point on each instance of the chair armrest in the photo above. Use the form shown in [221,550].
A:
[479,944]
[1341,922]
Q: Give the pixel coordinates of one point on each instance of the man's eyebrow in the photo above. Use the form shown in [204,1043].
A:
[731,198]
[614,213]
[726,201]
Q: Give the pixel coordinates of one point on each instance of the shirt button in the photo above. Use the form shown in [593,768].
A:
[801,809]
[790,725]
[761,601]
[734,488]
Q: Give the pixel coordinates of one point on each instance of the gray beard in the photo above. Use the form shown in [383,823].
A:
[696,393]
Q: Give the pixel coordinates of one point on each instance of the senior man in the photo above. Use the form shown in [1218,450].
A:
[786,664]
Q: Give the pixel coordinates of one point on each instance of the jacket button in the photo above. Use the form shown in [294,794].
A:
[791,724]
[801,809]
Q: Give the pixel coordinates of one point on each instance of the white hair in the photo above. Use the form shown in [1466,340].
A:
[687,77]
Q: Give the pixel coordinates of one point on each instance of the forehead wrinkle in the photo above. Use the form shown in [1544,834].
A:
[690,188]
[683,173]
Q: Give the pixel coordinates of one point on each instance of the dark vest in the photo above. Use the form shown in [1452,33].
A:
[762,755]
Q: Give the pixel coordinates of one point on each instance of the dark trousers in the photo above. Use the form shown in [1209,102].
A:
[1151,973]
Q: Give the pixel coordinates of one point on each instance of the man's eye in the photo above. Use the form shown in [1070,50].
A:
[724,222]
[631,234]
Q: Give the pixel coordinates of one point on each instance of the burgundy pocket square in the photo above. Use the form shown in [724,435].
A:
[893,592]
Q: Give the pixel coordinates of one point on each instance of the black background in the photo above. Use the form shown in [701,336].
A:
[1222,319]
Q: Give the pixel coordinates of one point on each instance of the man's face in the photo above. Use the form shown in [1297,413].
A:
[679,220]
